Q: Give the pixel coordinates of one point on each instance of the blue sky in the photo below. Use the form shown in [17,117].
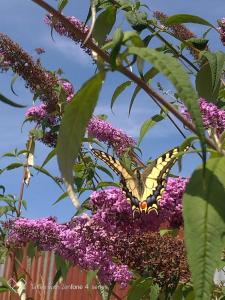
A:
[23,21]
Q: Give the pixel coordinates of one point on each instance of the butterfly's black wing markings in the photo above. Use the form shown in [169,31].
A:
[154,177]
[128,181]
[144,190]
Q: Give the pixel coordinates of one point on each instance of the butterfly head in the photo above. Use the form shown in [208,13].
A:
[143,207]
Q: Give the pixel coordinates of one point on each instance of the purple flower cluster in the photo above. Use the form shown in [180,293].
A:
[180,31]
[222,30]
[47,120]
[212,116]
[44,232]
[40,113]
[114,137]
[94,243]
[171,202]
[68,88]
[58,26]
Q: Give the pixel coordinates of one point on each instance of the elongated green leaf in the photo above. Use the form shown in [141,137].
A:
[83,208]
[198,43]
[148,124]
[204,220]
[14,79]
[154,292]
[174,71]
[217,63]
[10,102]
[2,188]
[57,277]
[104,24]
[74,123]
[116,45]
[149,75]
[91,275]
[105,170]
[5,209]
[44,171]
[208,78]
[62,4]
[186,18]
[14,166]
[119,90]
[138,20]
[49,157]
[107,183]
[31,250]
[63,196]
[139,289]
[203,83]
[178,293]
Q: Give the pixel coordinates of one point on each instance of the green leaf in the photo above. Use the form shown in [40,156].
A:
[139,289]
[49,157]
[10,102]
[106,171]
[107,183]
[57,277]
[62,4]
[138,20]
[203,83]
[208,79]
[175,72]
[31,250]
[63,196]
[44,171]
[91,275]
[14,166]
[9,154]
[204,220]
[5,287]
[149,75]
[154,292]
[105,291]
[14,79]
[24,203]
[178,293]
[75,120]
[2,188]
[186,18]
[119,90]
[171,232]
[104,24]
[5,210]
[84,206]
[148,124]
[116,45]
[198,43]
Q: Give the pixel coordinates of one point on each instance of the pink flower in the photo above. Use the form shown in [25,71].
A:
[222,30]
[68,88]
[212,116]
[58,26]
[105,132]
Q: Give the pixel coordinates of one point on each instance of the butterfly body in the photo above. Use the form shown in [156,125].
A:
[143,190]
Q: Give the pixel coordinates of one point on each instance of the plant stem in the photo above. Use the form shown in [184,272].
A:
[25,173]
[173,49]
[91,45]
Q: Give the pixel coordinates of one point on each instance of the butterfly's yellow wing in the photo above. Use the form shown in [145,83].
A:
[154,178]
[128,181]
[143,190]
